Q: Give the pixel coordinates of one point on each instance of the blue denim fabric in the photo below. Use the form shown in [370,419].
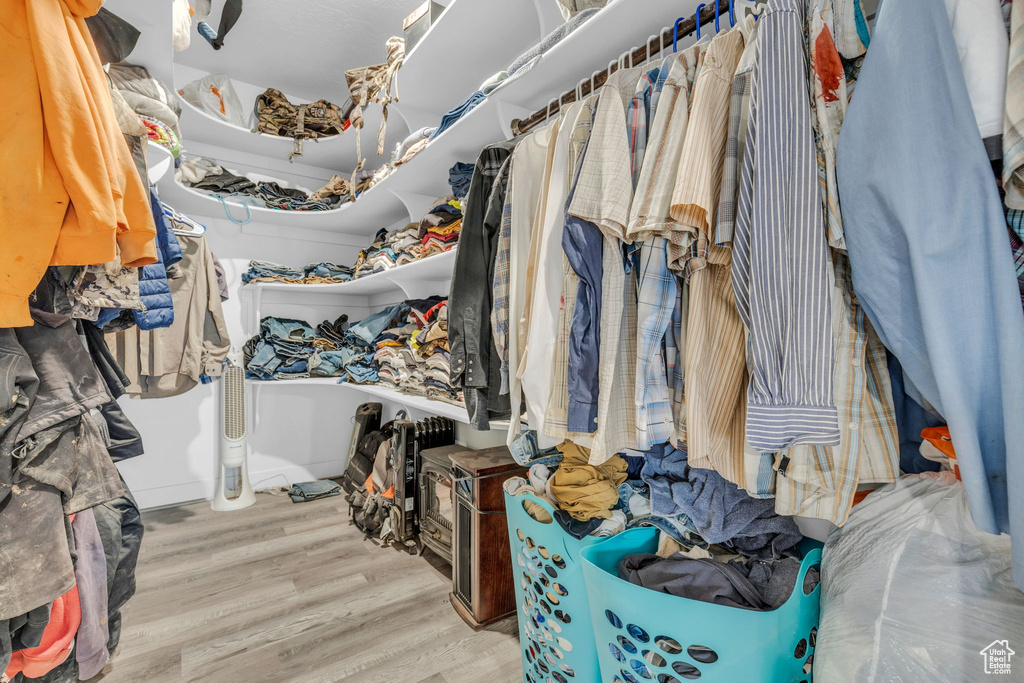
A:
[286,329]
[331,270]
[927,241]
[583,244]
[457,112]
[526,452]
[266,269]
[264,362]
[367,329]
[326,363]
[678,528]
[360,373]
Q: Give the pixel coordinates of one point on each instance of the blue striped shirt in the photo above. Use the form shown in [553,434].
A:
[780,254]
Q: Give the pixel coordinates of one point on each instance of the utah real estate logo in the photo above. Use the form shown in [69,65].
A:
[997,657]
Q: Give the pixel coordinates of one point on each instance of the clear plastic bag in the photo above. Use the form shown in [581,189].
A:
[215,95]
[912,590]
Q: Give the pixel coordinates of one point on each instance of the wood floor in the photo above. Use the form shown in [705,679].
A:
[292,592]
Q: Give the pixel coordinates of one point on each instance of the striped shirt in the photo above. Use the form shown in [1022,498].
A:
[716,371]
[780,254]
[820,481]
[736,140]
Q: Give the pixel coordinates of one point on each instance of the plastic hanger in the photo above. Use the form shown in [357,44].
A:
[675,34]
[717,11]
[647,48]
[696,17]
[732,13]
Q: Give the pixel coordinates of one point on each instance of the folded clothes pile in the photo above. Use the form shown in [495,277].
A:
[432,375]
[208,176]
[314,273]
[437,232]
[292,349]
[412,354]
[358,363]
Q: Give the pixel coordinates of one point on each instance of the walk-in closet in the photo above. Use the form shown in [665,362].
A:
[522,341]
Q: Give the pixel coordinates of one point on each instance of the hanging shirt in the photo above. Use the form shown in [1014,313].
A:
[556,418]
[603,196]
[1013,120]
[736,138]
[716,375]
[537,369]
[662,293]
[780,256]
[474,362]
[528,173]
[917,190]
[820,481]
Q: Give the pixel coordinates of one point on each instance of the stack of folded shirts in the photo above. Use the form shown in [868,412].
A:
[438,231]
[312,274]
[360,340]
[395,359]
[432,377]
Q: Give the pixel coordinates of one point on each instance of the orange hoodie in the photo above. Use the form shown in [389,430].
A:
[57,642]
[69,192]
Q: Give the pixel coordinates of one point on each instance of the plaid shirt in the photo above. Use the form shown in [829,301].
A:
[502,267]
[1017,248]
[820,481]
[604,193]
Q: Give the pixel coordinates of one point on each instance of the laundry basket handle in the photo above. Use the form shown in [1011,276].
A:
[811,559]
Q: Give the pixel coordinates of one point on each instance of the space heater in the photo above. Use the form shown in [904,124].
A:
[234,491]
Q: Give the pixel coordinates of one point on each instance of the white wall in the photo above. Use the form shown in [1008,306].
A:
[303,430]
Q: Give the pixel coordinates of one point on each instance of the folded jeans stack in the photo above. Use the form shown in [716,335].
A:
[314,273]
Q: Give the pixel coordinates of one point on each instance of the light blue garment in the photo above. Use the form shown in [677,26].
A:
[286,329]
[927,243]
[368,328]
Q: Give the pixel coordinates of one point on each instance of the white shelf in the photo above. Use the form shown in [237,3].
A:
[197,203]
[420,403]
[420,274]
[427,405]
[443,68]
[159,160]
[620,26]
[335,154]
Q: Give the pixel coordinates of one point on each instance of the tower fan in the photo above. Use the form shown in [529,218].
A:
[234,491]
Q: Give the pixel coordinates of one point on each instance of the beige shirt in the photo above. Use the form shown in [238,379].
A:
[168,361]
[716,372]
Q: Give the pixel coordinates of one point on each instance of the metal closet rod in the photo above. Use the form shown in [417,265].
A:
[688,26]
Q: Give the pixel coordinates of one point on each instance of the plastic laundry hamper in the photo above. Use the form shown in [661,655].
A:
[555,633]
[644,635]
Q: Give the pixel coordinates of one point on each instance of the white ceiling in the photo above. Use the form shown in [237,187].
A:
[301,47]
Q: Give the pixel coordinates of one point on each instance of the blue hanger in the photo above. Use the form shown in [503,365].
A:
[716,16]
[696,17]
[675,34]
[732,13]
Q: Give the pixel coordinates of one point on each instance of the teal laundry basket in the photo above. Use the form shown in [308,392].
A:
[644,635]
[555,634]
